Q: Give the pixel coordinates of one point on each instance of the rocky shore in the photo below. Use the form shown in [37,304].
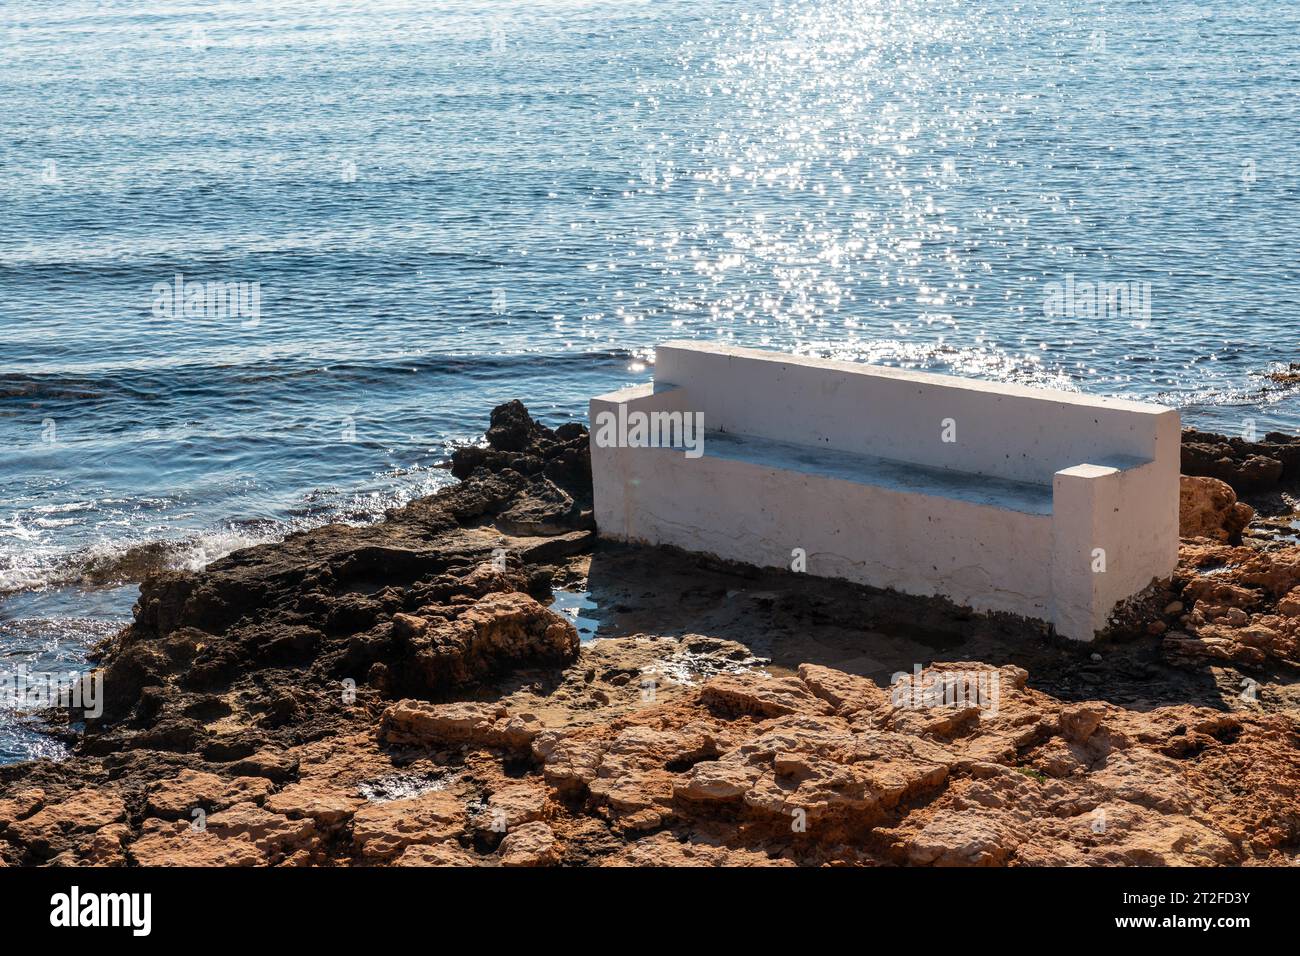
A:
[415,692]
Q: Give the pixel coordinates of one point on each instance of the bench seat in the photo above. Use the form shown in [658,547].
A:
[886,473]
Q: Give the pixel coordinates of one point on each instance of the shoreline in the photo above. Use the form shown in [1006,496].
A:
[392,694]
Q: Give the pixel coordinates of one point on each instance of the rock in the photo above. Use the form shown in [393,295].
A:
[57,824]
[448,853]
[242,835]
[760,695]
[20,804]
[512,806]
[668,849]
[512,428]
[1245,465]
[178,797]
[104,847]
[532,844]
[545,509]
[847,693]
[572,765]
[321,800]
[498,632]
[394,694]
[276,836]
[475,725]
[381,831]
[1290,604]
[1209,508]
[167,843]
[272,764]
[517,443]
[964,838]
[1080,721]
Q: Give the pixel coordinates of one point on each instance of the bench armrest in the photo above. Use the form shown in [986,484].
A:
[1112,525]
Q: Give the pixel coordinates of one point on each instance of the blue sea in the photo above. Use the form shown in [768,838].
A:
[388,216]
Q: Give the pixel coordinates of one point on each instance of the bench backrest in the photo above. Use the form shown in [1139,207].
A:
[1009,431]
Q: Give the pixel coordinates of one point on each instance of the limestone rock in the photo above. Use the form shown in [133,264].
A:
[532,844]
[383,830]
[192,789]
[1208,508]
[470,724]
[498,631]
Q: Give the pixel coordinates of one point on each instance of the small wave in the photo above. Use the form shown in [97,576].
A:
[164,374]
[111,564]
[115,564]
[1265,390]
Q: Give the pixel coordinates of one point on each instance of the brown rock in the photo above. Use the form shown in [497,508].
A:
[56,824]
[276,836]
[532,844]
[470,724]
[168,843]
[1080,721]
[512,806]
[380,831]
[192,789]
[847,693]
[1208,508]
[760,695]
[448,853]
[321,800]
[668,849]
[497,632]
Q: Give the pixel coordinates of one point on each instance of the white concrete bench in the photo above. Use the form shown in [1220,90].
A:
[1048,504]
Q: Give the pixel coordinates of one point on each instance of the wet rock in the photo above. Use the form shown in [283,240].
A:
[1245,465]
[515,442]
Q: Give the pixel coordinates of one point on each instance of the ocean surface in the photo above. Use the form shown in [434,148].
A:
[402,213]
